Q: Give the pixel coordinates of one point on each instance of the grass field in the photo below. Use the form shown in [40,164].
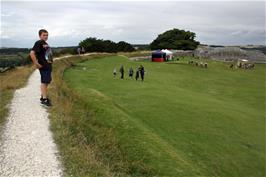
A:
[182,121]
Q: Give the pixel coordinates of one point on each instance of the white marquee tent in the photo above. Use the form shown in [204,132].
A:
[169,54]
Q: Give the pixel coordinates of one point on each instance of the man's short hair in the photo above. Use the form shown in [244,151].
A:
[42,31]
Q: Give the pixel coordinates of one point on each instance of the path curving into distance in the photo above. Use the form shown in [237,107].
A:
[26,144]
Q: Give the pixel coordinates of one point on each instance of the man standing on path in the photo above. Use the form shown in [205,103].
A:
[78,50]
[41,56]
[83,50]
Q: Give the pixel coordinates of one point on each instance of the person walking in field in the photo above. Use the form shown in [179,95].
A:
[114,72]
[122,71]
[142,72]
[130,72]
[41,56]
[137,74]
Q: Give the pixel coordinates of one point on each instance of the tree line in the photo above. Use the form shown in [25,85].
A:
[100,45]
[171,39]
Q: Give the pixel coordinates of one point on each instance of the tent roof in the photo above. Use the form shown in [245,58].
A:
[244,60]
[167,51]
[157,51]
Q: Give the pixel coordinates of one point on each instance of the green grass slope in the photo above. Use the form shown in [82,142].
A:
[182,121]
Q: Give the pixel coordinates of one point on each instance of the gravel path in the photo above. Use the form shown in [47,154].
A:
[27,147]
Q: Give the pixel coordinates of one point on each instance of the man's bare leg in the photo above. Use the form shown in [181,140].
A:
[44,90]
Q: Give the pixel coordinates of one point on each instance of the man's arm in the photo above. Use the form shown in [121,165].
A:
[34,59]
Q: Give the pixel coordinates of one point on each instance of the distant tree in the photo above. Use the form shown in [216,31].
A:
[90,44]
[108,46]
[123,46]
[175,39]
[99,45]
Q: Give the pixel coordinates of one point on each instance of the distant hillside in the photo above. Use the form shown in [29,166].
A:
[9,51]
[259,48]
[141,46]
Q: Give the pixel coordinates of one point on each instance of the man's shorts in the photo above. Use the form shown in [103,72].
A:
[46,75]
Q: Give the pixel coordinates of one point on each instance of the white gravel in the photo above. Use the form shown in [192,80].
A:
[26,144]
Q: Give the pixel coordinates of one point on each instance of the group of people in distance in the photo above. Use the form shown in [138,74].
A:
[139,72]
[80,50]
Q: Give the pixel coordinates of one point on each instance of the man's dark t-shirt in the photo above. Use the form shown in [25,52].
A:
[43,54]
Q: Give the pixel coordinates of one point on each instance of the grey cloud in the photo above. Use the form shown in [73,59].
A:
[227,23]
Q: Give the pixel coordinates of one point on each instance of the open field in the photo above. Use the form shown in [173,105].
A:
[182,121]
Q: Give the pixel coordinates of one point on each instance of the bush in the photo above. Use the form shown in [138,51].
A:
[64,50]
[100,45]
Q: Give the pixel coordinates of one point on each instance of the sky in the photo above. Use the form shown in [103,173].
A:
[136,22]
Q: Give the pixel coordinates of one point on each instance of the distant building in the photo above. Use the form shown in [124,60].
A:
[232,53]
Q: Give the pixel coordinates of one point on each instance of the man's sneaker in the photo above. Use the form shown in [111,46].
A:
[46,102]
[41,99]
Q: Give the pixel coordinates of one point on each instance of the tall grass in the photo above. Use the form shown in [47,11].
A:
[9,82]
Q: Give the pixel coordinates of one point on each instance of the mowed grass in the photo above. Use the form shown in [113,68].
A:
[182,120]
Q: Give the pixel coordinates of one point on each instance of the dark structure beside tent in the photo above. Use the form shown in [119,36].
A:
[158,56]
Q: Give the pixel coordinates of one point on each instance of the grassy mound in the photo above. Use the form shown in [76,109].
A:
[182,121]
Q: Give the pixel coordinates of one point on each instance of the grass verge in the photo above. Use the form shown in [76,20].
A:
[9,82]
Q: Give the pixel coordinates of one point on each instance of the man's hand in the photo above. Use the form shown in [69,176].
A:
[34,60]
[38,66]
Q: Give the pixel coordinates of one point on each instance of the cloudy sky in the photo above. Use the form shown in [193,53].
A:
[137,22]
